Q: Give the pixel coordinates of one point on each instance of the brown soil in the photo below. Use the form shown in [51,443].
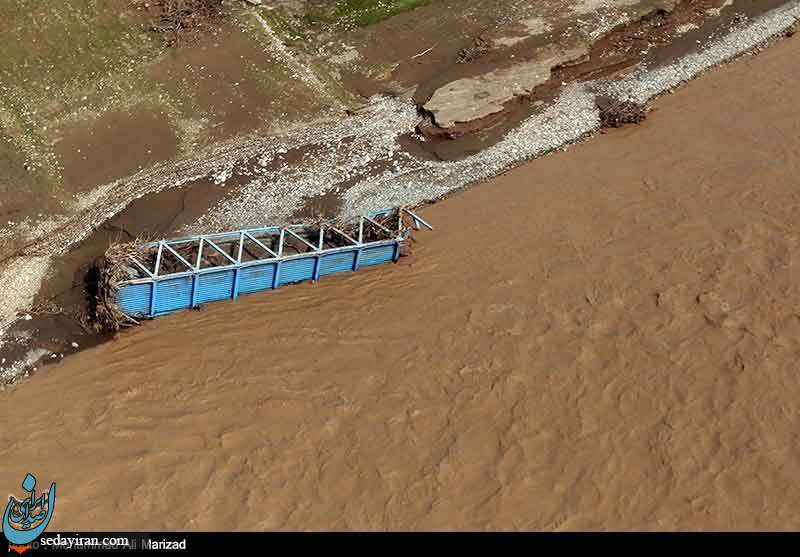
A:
[230,79]
[401,37]
[182,20]
[605,338]
[115,145]
[24,189]
[62,302]
[653,41]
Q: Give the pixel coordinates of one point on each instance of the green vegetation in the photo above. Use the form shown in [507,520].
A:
[60,58]
[65,64]
[51,46]
[288,28]
[360,13]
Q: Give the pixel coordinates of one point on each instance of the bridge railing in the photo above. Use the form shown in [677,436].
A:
[183,273]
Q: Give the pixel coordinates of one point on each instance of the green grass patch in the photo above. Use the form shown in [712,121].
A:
[50,45]
[285,26]
[361,13]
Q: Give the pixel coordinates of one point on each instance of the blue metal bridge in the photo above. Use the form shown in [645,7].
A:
[171,275]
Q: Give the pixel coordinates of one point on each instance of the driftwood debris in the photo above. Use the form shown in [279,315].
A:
[175,19]
[103,281]
[615,114]
[139,259]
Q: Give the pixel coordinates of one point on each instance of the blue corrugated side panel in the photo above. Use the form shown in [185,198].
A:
[376,256]
[173,294]
[296,270]
[134,299]
[337,263]
[215,286]
[256,278]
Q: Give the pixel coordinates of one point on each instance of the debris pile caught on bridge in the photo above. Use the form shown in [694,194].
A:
[142,279]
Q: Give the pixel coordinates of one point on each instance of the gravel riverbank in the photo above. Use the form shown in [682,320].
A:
[358,159]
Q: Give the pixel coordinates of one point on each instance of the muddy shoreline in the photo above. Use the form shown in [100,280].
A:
[169,211]
[656,39]
[615,348]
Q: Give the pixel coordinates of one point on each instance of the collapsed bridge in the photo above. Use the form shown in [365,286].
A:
[137,280]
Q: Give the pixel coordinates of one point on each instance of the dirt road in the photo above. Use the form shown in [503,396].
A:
[606,338]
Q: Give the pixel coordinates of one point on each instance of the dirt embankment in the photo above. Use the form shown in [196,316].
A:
[315,182]
[483,103]
[606,338]
[58,322]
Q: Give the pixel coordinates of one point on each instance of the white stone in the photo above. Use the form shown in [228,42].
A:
[472,98]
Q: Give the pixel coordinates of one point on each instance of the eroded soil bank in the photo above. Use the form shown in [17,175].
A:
[654,34]
[605,338]
[310,171]
[58,325]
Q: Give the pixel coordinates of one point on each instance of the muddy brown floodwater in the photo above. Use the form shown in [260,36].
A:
[606,338]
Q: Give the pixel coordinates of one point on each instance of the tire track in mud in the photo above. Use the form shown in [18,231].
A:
[302,71]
